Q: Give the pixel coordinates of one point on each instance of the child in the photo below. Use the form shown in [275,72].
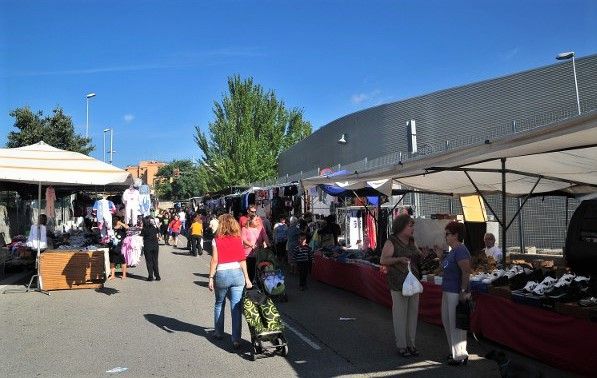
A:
[196,234]
[303,254]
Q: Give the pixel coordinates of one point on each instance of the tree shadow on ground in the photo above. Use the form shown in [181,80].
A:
[171,325]
[205,275]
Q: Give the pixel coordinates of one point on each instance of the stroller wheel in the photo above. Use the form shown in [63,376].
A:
[253,355]
[283,346]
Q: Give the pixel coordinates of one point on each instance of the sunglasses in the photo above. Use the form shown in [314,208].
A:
[449,233]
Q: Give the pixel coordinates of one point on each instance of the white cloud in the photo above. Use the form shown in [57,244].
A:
[128,118]
[507,55]
[359,98]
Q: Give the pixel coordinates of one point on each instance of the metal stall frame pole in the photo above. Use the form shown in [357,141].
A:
[504,227]
[520,226]
[39,283]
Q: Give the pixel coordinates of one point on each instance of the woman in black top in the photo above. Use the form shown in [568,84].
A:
[150,247]
[116,256]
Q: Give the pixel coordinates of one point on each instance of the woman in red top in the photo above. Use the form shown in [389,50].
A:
[174,227]
[228,276]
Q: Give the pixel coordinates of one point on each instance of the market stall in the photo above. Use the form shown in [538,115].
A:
[538,309]
[43,165]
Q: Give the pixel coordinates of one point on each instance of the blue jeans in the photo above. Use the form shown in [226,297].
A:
[229,283]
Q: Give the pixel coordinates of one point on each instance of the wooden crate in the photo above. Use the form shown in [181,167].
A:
[64,270]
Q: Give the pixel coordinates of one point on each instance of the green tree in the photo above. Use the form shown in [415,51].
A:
[56,130]
[179,179]
[250,129]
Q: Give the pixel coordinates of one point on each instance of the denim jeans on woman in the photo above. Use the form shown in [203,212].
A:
[229,283]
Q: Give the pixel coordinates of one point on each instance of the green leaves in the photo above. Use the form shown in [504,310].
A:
[250,129]
[180,179]
[56,130]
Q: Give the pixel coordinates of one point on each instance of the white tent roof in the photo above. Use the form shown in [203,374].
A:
[43,163]
[563,155]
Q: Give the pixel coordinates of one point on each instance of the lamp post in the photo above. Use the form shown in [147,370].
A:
[87,97]
[566,56]
[111,144]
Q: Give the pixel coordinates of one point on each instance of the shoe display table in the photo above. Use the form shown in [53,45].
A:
[64,269]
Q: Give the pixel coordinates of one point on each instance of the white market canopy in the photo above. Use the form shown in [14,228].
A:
[42,163]
[558,157]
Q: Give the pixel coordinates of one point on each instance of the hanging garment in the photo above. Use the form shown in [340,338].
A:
[50,200]
[130,198]
[144,200]
[103,212]
[371,232]
[131,249]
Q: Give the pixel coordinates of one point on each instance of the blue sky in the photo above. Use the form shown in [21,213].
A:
[158,66]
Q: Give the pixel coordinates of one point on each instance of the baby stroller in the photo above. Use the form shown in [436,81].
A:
[265,325]
[268,276]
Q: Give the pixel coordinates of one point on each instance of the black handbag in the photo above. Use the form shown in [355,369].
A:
[463,315]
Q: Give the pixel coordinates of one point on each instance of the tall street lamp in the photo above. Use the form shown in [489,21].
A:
[111,144]
[87,97]
[566,56]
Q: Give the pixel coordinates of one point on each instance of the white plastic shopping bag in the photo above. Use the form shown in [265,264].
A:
[411,285]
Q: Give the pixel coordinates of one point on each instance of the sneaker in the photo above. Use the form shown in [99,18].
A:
[530,286]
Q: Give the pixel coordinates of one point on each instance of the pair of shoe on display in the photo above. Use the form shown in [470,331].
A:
[488,278]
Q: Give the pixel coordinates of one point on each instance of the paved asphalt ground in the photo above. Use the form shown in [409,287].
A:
[164,329]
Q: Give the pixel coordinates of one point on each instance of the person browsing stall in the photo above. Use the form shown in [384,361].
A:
[303,256]
[455,287]
[228,276]
[398,252]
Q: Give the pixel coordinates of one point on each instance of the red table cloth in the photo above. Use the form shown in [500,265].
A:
[558,340]
[368,282]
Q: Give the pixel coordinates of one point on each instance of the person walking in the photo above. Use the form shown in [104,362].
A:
[174,226]
[228,276]
[398,252]
[455,287]
[151,248]
[253,239]
[195,235]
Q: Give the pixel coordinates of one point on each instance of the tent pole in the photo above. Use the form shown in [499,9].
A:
[504,228]
[520,227]
[38,286]
[566,214]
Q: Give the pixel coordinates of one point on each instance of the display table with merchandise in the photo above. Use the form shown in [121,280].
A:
[73,269]
[558,340]
[368,281]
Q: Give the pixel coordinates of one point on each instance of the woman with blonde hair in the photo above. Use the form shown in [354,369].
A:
[228,276]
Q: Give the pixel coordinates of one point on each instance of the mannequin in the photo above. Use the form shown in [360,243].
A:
[103,211]
[130,198]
